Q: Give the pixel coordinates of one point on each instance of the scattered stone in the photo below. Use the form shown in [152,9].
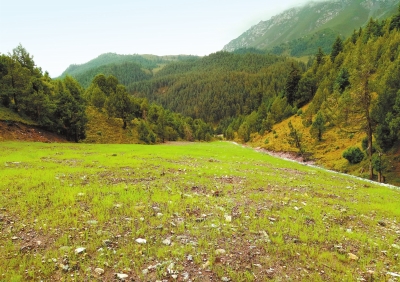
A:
[297,208]
[64,267]
[200,219]
[185,276]
[159,215]
[395,246]
[92,222]
[99,271]
[121,276]
[382,223]
[225,279]
[219,252]
[145,271]
[393,274]
[206,264]
[190,258]
[167,242]
[80,250]
[141,241]
[266,236]
[81,194]
[14,238]
[352,256]
[228,218]
[174,276]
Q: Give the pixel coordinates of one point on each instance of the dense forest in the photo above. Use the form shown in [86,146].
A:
[354,87]
[60,105]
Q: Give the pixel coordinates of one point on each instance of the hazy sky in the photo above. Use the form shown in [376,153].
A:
[60,33]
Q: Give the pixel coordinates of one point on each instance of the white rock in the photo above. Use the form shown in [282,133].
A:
[80,250]
[99,271]
[395,246]
[228,218]
[141,241]
[393,274]
[122,276]
[219,252]
[167,242]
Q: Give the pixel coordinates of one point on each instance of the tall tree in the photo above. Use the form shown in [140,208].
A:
[318,126]
[336,48]
[363,98]
[292,84]
[119,105]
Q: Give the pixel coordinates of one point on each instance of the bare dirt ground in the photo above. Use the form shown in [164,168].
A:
[15,131]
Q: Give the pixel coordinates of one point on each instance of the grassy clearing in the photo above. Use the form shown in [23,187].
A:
[208,212]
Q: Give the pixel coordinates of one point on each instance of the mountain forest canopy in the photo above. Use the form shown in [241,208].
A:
[60,105]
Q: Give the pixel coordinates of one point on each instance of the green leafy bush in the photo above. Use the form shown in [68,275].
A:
[354,155]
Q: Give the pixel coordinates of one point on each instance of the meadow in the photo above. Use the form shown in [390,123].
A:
[188,212]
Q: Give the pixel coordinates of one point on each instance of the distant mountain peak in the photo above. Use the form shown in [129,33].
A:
[341,16]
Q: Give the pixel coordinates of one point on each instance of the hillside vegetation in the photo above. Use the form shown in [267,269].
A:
[320,22]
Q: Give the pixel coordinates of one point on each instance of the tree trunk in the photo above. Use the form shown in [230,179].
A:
[371,169]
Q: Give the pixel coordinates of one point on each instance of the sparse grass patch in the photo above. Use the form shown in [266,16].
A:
[217,209]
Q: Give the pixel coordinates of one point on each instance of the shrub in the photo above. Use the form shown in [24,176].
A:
[354,155]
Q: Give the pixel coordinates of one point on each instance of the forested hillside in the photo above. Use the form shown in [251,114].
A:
[62,105]
[219,86]
[315,24]
[127,68]
[354,88]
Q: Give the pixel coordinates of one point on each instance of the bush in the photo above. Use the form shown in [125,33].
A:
[354,155]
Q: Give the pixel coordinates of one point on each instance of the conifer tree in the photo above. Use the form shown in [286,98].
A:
[336,48]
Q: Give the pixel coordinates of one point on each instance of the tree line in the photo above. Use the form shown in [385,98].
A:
[59,105]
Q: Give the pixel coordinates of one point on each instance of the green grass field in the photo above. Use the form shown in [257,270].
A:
[188,212]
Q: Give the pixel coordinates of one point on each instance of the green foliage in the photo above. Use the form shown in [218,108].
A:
[120,105]
[342,80]
[318,127]
[54,105]
[395,21]
[354,155]
[292,84]
[145,133]
[337,47]
[379,162]
[244,132]
[295,138]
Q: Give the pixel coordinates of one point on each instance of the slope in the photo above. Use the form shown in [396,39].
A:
[337,17]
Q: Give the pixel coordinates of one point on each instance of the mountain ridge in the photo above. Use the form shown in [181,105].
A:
[298,22]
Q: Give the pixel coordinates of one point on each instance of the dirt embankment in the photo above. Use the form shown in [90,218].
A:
[15,131]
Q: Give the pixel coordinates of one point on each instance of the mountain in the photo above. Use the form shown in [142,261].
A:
[318,21]
[127,68]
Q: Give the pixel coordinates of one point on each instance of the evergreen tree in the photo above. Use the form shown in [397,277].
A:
[292,84]
[336,48]
[318,127]
[119,105]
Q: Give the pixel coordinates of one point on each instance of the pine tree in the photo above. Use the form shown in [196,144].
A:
[336,48]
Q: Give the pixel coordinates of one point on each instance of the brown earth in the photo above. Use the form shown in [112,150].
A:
[16,131]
